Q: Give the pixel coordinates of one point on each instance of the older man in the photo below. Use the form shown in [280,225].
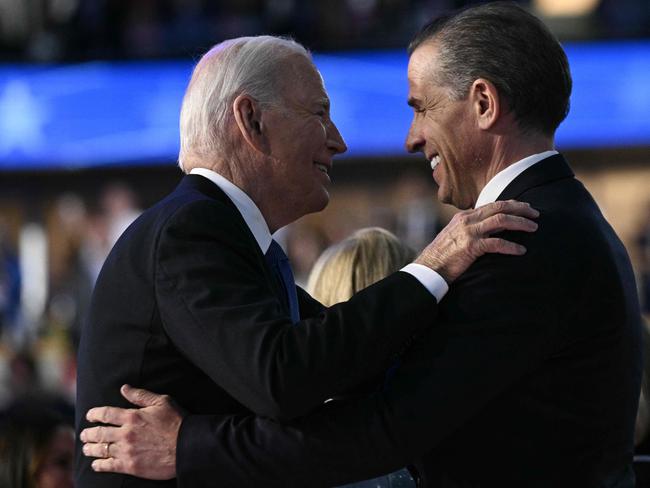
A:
[197,301]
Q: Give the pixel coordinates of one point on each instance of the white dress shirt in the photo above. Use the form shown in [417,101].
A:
[503,178]
[247,208]
[431,280]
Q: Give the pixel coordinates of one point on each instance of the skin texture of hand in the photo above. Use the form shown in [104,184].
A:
[140,442]
[468,236]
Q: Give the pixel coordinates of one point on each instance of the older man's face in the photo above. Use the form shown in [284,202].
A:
[445,131]
[303,139]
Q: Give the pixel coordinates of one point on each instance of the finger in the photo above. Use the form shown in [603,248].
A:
[108,415]
[100,434]
[98,450]
[511,207]
[501,222]
[111,465]
[501,246]
[140,397]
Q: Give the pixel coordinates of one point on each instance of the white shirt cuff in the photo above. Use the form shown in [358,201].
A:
[431,280]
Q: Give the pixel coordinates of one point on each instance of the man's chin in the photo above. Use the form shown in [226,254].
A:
[448,199]
[324,203]
[319,203]
[444,197]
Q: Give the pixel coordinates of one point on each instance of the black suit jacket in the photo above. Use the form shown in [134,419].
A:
[530,377]
[185,305]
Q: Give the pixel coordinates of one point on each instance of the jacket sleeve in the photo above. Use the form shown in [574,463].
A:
[472,355]
[309,307]
[218,308]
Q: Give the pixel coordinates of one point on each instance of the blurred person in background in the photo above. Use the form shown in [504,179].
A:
[347,267]
[36,447]
[26,381]
[197,300]
[304,244]
[71,282]
[23,378]
[530,375]
[10,283]
[355,263]
[418,214]
[117,209]
[120,209]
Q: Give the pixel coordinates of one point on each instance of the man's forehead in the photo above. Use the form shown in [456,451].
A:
[300,66]
[421,70]
[417,82]
[423,60]
[304,83]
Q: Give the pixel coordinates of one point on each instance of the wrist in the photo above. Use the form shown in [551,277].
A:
[434,263]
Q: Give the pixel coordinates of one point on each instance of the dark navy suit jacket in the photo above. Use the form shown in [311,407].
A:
[530,376]
[186,305]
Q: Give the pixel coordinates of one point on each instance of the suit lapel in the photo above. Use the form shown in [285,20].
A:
[209,189]
[546,171]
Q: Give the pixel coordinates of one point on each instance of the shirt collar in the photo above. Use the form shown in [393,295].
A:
[503,178]
[247,208]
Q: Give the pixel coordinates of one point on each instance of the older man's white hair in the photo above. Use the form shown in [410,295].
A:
[246,65]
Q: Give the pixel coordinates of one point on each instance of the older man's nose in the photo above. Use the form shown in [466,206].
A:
[335,142]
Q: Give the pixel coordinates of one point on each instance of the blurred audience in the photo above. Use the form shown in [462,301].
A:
[9,282]
[68,30]
[36,447]
[80,233]
[418,216]
[22,379]
[120,209]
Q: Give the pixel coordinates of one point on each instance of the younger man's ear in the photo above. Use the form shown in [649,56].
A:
[486,102]
[248,116]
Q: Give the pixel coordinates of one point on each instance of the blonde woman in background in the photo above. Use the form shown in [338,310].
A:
[343,269]
[362,259]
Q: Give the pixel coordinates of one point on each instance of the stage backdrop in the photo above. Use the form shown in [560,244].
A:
[102,113]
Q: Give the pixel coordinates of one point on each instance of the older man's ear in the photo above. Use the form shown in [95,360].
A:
[248,116]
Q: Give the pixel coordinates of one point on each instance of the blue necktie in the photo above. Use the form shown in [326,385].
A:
[279,263]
